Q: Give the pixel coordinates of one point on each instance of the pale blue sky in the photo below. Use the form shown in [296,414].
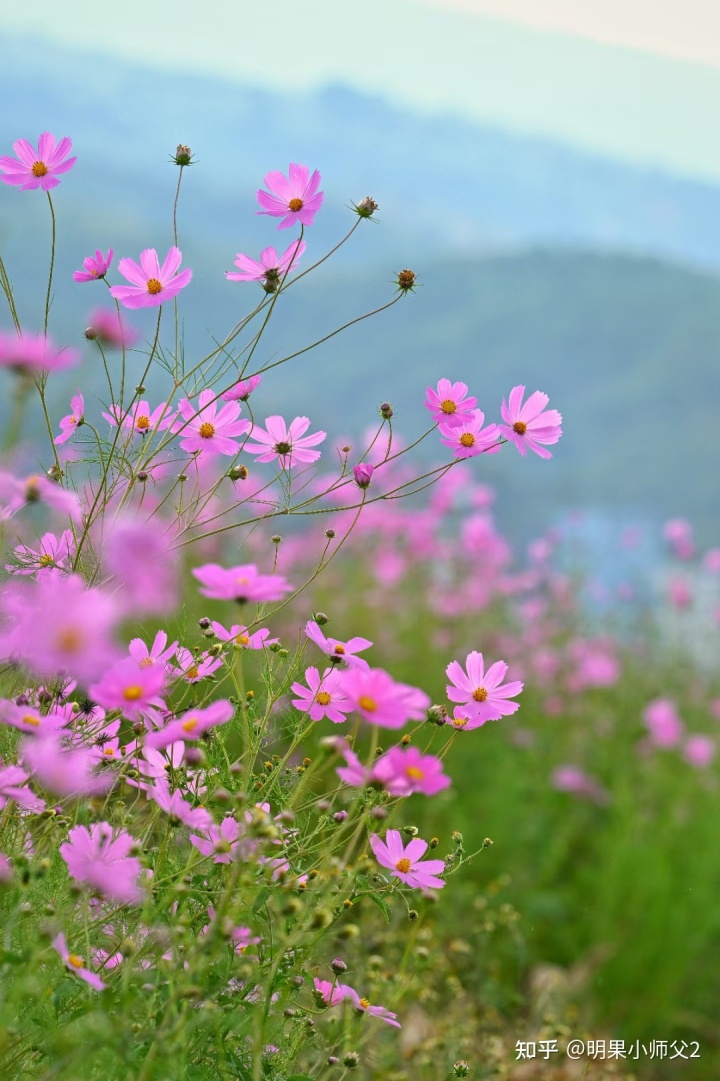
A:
[617,100]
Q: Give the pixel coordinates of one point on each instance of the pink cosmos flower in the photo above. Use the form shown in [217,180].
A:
[73,420]
[294,198]
[54,553]
[12,786]
[95,268]
[482,693]
[376,696]
[463,720]
[288,445]
[404,861]
[530,425]
[159,653]
[16,493]
[449,404]
[242,638]
[338,652]
[242,389]
[663,722]
[711,561]
[152,284]
[156,764]
[362,472]
[469,438]
[191,668]
[177,808]
[28,353]
[37,169]
[64,772]
[272,267]
[222,842]
[129,688]
[109,329]
[365,1006]
[404,771]
[322,697]
[75,964]
[209,427]
[353,773]
[140,418]
[143,563]
[104,862]
[574,780]
[699,751]
[192,725]
[242,584]
[29,719]
[6,872]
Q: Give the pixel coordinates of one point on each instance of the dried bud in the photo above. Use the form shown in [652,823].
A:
[351,1060]
[386,410]
[434,842]
[410,831]
[461,1068]
[363,474]
[457,837]
[338,966]
[413,914]
[406,740]
[183,155]
[438,715]
[405,280]
[366,207]
[182,476]
[238,472]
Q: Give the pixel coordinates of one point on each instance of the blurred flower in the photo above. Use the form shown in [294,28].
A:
[95,268]
[574,780]
[127,687]
[294,198]
[37,169]
[527,426]
[177,808]
[75,964]
[242,584]
[64,772]
[108,327]
[143,562]
[663,722]
[12,786]
[34,353]
[152,284]
[699,751]
[103,861]
[192,725]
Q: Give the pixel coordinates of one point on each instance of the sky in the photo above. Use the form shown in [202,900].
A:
[628,78]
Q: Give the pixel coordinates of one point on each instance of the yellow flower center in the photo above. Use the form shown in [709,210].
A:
[146,662]
[70,640]
[323,698]
[364,1002]
[448,406]
[207,431]
[243,639]
[242,581]
[480,694]
[190,725]
[39,168]
[403,865]
[520,427]
[75,960]
[415,773]
[223,846]
[46,560]
[459,722]
[109,752]
[295,204]
[31,719]
[154,286]
[339,649]
[467,439]
[192,673]
[133,692]
[142,423]
[367,703]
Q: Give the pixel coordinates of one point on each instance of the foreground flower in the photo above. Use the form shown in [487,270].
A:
[468,438]
[143,563]
[338,652]
[449,403]
[64,772]
[404,861]
[95,268]
[73,420]
[403,771]
[480,692]
[294,198]
[152,284]
[242,584]
[192,725]
[376,696]
[75,964]
[530,425]
[37,168]
[131,689]
[13,786]
[104,862]
[210,428]
[272,267]
[322,697]
[288,445]
[34,353]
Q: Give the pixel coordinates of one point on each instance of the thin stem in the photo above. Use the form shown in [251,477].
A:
[52,262]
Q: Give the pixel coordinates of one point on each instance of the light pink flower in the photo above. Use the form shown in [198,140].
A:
[75,964]
[37,168]
[449,403]
[64,772]
[272,267]
[132,689]
[482,693]
[95,267]
[242,584]
[242,638]
[159,652]
[288,445]
[403,771]
[467,438]
[365,1006]
[242,389]
[73,420]
[109,329]
[54,553]
[104,862]
[699,751]
[574,780]
[140,556]
[13,786]
[530,425]
[353,773]
[322,697]
[177,808]
[191,668]
[16,493]
[294,198]
[155,764]
[140,418]
[663,722]
[6,872]
[222,842]
[29,719]
[404,861]
[192,725]
[152,284]
[338,652]
[28,353]
[209,427]
[375,695]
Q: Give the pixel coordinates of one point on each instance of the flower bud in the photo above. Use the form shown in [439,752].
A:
[194,756]
[410,831]
[340,816]
[238,472]
[91,333]
[351,1060]
[142,476]
[333,1060]
[338,966]
[363,474]
[276,538]
[183,155]
[457,837]
[329,533]
[405,280]
[204,623]
[438,715]
[461,1068]
[366,207]
[140,389]
[386,410]
[413,914]
[321,619]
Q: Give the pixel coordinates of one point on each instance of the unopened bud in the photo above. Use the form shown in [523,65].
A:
[410,831]
[142,476]
[340,816]
[366,207]
[438,715]
[351,1060]
[386,410]
[194,756]
[405,280]
[338,966]
[363,474]
[91,333]
[276,539]
[238,472]
[140,389]
[320,618]
[204,623]
[183,155]
[461,1068]
[329,533]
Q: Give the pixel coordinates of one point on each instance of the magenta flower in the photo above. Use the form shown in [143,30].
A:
[468,438]
[143,562]
[376,696]
[178,809]
[159,653]
[405,771]
[482,693]
[699,751]
[152,284]
[104,862]
[242,584]
[109,329]
[156,764]
[53,554]
[353,773]
[209,427]
[95,268]
[64,772]
[464,720]
[449,404]
[29,719]
[272,267]
[338,652]
[242,389]
[363,474]
[192,668]
[294,198]
[39,489]
[288,445]
[663,722]
[242,638]
[322,697]
[222,842]
[192,725]
[404,861]
[34,353]
[75,964]
[73,420]
[365,1006]
[574,780]
[12,786]
[37,169]
[140,418]
[530,425]
[331,993]
[132,689]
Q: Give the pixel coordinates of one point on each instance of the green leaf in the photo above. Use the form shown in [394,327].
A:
[260,901]
[381,904]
